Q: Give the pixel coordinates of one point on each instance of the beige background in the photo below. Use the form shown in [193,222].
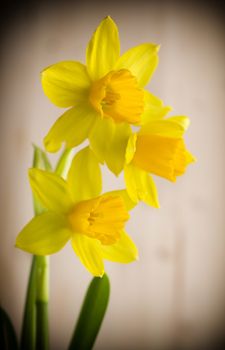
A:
[174,295]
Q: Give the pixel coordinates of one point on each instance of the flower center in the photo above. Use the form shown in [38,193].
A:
[163,156]
[118,96]
[101,218]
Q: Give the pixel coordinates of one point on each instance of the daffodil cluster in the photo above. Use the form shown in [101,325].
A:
[127,130]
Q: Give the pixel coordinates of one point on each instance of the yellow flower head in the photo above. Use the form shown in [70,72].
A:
[158,148]
[76,211]
[106,95]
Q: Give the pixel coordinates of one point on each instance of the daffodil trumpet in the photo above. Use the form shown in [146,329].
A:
[158,148]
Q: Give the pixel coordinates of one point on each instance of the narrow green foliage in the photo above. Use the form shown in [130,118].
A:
[91,314]
[8,340]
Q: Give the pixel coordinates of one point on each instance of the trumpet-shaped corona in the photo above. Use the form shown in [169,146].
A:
[163,156]
[118,96]
[102,218]
[159,149]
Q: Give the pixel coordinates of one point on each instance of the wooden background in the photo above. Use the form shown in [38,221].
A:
[174,296]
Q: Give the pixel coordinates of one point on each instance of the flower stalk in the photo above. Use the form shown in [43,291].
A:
[28,335]
[42,296]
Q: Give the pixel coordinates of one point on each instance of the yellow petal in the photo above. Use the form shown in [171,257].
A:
[84,177]
[171,127]
[72,128]
[45,234]
[89,252]
[141,60]
[140,186]
[154,108]
[66,83]
[52,190]
[103,49]
[127,200]
[123,251]
[131,148]
[109,140]
[190,158]
[100,137]
[182,121]
[151,99]
[115,152]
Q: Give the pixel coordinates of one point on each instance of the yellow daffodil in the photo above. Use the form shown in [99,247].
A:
[76,211]
[158,148]
[106,95]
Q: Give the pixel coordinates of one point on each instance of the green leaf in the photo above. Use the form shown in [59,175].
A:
[8,338]
[91,314]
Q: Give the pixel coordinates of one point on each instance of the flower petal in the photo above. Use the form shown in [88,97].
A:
[131,148]
[182,121]
[66,83]
[129,204]
[72,128]
[172,127]
[116,148]
[154,108]
[100,137]
[84,177]
[141,60]
[123,251]
[89,252]
[140,186]
[52,190]
[103,49]
[45,234]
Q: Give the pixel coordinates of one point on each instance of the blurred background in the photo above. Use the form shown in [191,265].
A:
[174,296]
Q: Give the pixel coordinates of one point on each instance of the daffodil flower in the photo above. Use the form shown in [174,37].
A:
[106,95]
[76,211]
[159,149]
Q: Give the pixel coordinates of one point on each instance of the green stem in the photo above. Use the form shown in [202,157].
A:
[42,296]
[28,335]
[35,321]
